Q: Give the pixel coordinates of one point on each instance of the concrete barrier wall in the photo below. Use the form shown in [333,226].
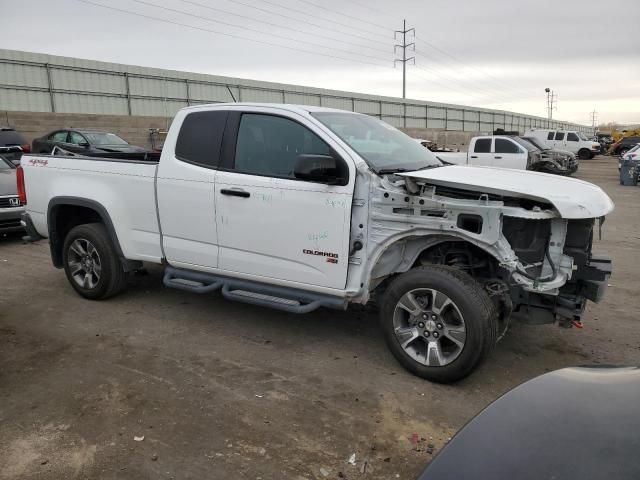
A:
[135,129]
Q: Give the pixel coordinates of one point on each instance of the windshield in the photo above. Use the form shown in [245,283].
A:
[102,138]
[525,144]
[382,146]
[536,143]
[5,164]
[581,136]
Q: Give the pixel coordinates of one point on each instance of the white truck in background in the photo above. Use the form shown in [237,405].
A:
[513,152]
[570,140]
[301,207]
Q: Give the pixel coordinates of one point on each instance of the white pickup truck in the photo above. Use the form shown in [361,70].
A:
[511,152]
[299,207]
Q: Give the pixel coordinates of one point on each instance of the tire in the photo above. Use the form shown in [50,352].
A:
[91,262]
[470,319]
[584,154]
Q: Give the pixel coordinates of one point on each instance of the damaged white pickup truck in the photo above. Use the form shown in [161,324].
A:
[299,207]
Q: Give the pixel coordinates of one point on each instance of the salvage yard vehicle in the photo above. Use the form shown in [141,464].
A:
[562,162]
[11,208]
[301,207]
[86,142]
[509,152]
[571,140]
[13,144]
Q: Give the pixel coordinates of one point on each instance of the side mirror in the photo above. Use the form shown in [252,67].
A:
[320,169]
[84,145]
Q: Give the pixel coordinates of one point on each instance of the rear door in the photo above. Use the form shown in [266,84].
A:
[185,189]
[481,154]
[59,138]
[270,224]
[551,139]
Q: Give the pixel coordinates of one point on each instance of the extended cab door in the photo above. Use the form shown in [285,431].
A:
[508,154]
[271,224]
[480,152]
[185,189]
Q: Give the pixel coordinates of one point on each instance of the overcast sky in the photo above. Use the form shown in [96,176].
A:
[490,53]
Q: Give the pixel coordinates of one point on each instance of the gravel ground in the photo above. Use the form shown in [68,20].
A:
[226,390]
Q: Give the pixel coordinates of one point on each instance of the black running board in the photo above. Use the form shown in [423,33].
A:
[281,298]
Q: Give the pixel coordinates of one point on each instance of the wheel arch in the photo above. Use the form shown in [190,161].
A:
[65,213]
[401,254]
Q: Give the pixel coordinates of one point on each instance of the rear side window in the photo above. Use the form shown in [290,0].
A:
[559,135]
[572,137]
[200,137]
[59,136]
[506,146]
[483,145]
[551,135]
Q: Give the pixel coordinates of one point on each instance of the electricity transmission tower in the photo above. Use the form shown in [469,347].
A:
[404,58]
[551,99]
[594,119]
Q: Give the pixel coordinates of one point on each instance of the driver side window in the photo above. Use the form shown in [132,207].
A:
[270,145]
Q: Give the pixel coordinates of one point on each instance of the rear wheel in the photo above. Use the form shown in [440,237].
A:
[91,262]
[438,322]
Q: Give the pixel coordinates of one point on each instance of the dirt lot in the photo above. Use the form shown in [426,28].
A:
[226,390]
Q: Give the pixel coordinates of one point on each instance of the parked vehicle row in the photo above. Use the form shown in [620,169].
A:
[569,140]
[520,153]
[447,251]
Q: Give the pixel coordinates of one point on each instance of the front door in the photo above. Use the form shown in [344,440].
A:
[508,154]
[271,224]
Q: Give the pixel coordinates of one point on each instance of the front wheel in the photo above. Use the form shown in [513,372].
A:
[584,154]
[91,262]
[438,322]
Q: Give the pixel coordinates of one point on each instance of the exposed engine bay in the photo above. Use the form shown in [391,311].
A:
[529,257]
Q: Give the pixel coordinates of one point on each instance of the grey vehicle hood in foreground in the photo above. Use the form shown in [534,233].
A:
[571,424]
[571,197]
[8,182]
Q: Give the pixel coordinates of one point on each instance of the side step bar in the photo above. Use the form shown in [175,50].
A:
[281,298]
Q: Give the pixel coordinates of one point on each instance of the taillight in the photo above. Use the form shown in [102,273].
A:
[22,192]
[26,148]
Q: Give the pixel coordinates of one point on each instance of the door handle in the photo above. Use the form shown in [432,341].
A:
[474,156]
[497,157]
[235,192]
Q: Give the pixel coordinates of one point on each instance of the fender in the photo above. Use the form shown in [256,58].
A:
[55,242]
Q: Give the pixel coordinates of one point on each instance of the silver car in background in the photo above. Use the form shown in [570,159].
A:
[10,206]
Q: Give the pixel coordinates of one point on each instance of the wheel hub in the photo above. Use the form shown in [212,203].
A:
[429,327]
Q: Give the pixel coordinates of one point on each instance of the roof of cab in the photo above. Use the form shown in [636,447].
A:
[281,106]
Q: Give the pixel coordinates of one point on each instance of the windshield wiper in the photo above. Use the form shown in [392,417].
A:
[384,171]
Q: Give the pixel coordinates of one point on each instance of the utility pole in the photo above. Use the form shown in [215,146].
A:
[404,59]
[594,119]
[551,98]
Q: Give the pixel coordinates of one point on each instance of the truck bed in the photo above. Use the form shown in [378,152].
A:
[124,187]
